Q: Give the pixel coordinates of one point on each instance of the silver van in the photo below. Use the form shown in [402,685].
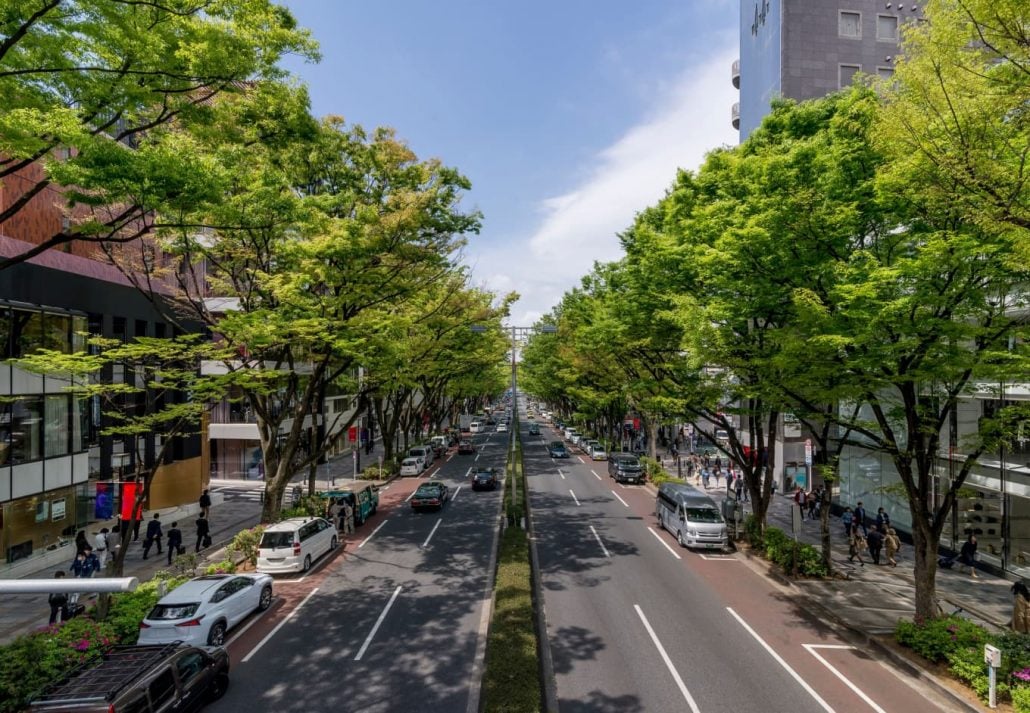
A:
[691,516]
[423,452]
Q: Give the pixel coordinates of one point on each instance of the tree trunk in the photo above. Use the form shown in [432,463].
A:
[824,527]
[924,545]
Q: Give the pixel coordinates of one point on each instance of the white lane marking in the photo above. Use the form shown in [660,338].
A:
[252,622]
[574,496]
[620,499]
[372,534]
[456,491]
[581,459]
[561,474]
[375,627]
[384,488]
[718,558]
[432,532]
[780,660]
[665,544]
[668,662]
[811,649]
[598,538]
[477,458]
[449,457]
[595,473]
[410,496]
[278,626]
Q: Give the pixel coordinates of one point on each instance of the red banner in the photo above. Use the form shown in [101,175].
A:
[352,434]
[128,498]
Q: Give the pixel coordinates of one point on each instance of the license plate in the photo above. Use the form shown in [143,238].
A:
[709,547]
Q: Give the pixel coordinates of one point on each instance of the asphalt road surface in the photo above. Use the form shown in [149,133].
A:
[395,622]
[636,623]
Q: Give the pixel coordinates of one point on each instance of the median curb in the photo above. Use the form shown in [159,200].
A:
[548,681]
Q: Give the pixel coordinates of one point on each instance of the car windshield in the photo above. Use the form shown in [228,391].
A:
[410,461]
[629,465]
[556,444]
[427,491]
[703,515]
[276,539]
[483,476]
[168,612]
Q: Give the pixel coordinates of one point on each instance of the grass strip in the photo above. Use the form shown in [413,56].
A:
[511,681]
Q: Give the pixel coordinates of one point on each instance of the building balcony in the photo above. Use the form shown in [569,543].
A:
[736,73]
[735,115]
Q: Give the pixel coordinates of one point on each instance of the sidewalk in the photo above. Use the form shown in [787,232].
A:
[22,613]
[874,597]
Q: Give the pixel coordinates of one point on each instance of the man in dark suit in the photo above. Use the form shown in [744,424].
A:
[154,534]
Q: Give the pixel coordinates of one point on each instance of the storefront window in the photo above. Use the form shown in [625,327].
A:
[5,333]
[80,329]
[57,436]
[57,332]
[26,429]
[26,332]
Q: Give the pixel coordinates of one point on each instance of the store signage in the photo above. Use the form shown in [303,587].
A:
[808,451]
[57,510]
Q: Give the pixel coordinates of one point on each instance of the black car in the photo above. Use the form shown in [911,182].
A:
[625,468]
[484,479]
[429,495]
[557,450]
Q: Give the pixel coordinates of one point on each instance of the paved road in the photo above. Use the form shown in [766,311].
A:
[636,623]
[392,623]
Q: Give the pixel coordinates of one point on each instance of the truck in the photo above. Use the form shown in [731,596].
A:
[465,420]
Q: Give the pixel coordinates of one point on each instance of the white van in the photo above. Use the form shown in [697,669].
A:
[691,516]
[292,545]
[474,427]
[423,452]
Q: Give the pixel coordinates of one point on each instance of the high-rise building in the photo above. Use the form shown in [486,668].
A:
[804,49]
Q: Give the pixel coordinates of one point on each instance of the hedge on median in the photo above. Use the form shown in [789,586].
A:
[959,644]
[781,549]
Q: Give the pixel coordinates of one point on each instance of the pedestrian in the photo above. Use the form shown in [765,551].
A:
[893,545]
[332,511]
[83,566]
[967,555]
[58,602]
[856,545]
[738,485]
[717,474]
[81,541]
[204,503]
[704,477]
[883,520]
[847,517]
[137,521]
[859,518]
[348,518]
[175,547]
[154,535]
[203,533]
[1021,607]
[103,543]
[875,543]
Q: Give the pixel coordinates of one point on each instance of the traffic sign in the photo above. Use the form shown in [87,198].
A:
[808,451]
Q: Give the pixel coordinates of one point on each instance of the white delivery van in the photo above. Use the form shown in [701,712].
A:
[474,427]
[691,516]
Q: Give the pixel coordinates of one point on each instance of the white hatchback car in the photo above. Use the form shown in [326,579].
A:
[200,611]
[292,545]
[411,466]
[502,428]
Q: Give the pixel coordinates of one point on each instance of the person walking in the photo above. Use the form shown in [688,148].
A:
[154,535]
[175,547]
[81,541]
[1021,607]
[875,542]
[856,545]
[704,478]
[332,514]
[859,518]
[83,567]
[203,533]
[883,520]
[205,503]
[103,545]
[893,545]
[58,602]
[847,517]
[967,555]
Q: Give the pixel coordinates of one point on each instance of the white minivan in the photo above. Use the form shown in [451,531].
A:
[292,545]
[691,516]
[474,427]
[423,452]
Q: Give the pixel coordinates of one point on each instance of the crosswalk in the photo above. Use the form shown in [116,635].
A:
[240,492]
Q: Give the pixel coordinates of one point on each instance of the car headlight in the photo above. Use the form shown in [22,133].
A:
[692,533]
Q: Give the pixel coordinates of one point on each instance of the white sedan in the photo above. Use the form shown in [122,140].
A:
[502,428]
[411,466]
[200,611]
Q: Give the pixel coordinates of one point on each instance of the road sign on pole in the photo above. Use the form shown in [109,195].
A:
[808,451]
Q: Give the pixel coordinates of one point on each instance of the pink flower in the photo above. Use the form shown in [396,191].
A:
[1023,675]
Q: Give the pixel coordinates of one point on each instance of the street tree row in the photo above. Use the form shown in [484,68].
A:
[860,262]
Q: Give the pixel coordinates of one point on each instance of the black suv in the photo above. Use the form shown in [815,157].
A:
[130,679]
[625,468]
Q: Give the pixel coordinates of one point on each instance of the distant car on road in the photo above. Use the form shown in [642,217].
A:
[557,450]
[625,468]
[502,428]
[597,452]
[200,611]
[429,495]
[465,447]
[484,479]
[534,429]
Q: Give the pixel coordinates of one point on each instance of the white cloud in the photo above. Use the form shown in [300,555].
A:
[579,226]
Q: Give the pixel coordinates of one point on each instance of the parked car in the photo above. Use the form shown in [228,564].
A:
[474,427]
[439,445]
[423,452]
[502,428]
[413,466]
[292,545]
[557,450]
[202,610]
[625,468]
[465,447]
[575,438]
[131,679]
[691,516]
[484,479]
[429,495]
[597,452]
[585,444]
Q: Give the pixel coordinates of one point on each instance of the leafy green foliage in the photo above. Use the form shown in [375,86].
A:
[245,544]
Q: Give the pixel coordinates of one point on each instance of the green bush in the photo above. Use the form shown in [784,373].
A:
[246,543]
[128,610]
[782,551]
[226,566]
[1020,698]
[753,529]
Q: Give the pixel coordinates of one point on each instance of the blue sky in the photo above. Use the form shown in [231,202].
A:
[568,116]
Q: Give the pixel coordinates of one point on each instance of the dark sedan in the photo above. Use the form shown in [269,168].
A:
[484,479]
[429,495]
[465,447]
[557,450]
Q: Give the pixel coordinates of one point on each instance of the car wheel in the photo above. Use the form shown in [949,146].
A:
[374,508]
[216,637]
[333,543]
[219,685]
[679,538]
[266,598]
[307,563]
